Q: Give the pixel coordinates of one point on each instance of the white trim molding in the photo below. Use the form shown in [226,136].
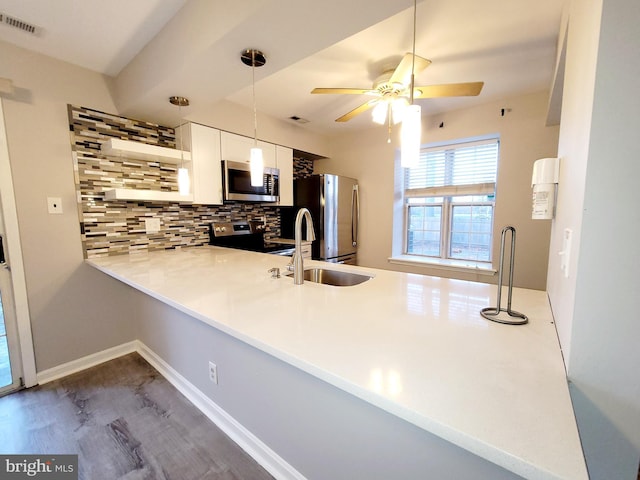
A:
[89,361]
[467,266]
[14,249]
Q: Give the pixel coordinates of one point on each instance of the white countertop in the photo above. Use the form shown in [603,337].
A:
[413,345]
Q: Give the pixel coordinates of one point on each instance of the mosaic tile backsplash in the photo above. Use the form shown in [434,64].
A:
[118,227]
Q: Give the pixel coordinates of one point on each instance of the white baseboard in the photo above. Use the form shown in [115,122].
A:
[260,452]
[83,363]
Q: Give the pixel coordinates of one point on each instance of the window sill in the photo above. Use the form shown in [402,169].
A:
[467,266]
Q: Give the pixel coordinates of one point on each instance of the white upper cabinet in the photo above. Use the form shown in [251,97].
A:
[238,148]
[205,167]
[284,158]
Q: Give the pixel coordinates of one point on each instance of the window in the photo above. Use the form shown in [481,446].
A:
[449,201]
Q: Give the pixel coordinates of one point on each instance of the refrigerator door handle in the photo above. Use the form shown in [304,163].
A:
[355,215]
[3,260]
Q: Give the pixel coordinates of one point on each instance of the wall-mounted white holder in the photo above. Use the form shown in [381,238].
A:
[544,181]
[565,254]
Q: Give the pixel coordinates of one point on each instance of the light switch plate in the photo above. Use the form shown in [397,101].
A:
[54,204]
[565,254]
[152,225]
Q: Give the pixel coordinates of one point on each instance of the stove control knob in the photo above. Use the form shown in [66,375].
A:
[223,229]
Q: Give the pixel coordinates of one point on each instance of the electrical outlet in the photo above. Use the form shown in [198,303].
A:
[54,204]
[152,225]
[213,372]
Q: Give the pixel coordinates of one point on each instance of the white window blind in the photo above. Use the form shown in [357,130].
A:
[459,169]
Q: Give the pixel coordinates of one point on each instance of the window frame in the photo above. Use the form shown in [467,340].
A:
[448,192]
[405,241]
[479,203]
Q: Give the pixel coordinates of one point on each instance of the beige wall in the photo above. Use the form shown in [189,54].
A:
[68,317]
[524,138]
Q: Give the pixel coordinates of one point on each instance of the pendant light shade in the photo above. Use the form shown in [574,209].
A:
[410,136]
[257,167]
[255,58]
[184,182]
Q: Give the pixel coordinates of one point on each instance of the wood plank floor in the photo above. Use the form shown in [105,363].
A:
[125,421]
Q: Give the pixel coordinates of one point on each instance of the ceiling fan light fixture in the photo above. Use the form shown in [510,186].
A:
[379,113]
[398,108]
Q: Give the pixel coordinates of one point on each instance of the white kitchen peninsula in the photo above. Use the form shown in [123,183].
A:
[432,389]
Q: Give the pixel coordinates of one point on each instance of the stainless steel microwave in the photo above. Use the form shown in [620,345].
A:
[236,179]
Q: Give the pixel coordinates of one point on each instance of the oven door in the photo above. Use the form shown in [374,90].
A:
[236,177]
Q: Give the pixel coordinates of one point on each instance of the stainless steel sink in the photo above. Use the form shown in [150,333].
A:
[333,277]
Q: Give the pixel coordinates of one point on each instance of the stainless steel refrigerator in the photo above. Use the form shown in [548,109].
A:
[335,209]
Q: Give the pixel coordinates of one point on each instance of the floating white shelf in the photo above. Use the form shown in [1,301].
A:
[143,151]
[146,195]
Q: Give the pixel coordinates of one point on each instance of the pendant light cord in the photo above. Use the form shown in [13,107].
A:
[253,89]
[413,51]
[389,113]
[181,135]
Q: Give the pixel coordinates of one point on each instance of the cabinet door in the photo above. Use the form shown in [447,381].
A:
[238,148]
[206,166]
[284,157]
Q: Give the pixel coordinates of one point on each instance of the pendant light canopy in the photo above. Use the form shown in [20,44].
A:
[412,118]
[255,58]
[184,182]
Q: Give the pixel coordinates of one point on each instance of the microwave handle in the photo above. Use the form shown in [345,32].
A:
[355,215]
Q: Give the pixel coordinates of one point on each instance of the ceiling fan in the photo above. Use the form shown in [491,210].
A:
[391,91]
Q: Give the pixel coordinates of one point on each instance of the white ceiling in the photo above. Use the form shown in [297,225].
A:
[154,49]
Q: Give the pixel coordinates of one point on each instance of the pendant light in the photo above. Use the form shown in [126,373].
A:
[255,58]
[184,182]
[411,121]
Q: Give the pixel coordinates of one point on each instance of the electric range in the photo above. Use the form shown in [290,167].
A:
[245,235]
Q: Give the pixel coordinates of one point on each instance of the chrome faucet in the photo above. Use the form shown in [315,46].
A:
[296,265]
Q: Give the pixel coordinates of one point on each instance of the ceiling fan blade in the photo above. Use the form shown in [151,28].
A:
[343,91]
[402,73]
[470,89]
[357,111]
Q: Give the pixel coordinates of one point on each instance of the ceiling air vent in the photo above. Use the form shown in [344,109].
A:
[298,119]
[19,24]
